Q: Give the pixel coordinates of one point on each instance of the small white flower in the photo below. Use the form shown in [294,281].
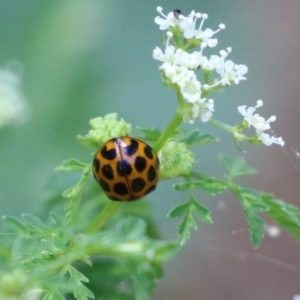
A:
[190,60]
[188,25]
[166,21]
[256,120]
[174,73]
[190,87]
[168,56]
[203,109]
[212,63]
[268,140]
[231,72]
[260,124]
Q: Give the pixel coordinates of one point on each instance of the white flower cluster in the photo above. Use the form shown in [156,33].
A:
[260,124]
[178,65]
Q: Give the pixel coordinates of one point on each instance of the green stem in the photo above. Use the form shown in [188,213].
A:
[104,216]
[226,127]
[174,123]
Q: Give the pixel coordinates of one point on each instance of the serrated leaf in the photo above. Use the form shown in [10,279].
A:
[72,206]
[259,207]
[56,219]
[71,165]
[185,229]
[73,191]
[86,140]
[202,212]
[166,251]
[208,185]
[76,275]
[83,293]
[150,135]
[54,295]
[131,227]
[236,166]
[256,228]
[179,211]
[16,225]
[251,202]
[34,222]
[284,214]
[143,279]
[196,139]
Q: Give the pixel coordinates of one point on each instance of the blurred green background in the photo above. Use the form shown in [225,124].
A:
[85,58]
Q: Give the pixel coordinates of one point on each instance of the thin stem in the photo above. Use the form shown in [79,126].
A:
[226,127]
[174,123]
[104,216]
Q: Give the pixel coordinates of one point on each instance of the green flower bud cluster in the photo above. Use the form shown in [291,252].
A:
[108,127]
[175,160]
[13,284]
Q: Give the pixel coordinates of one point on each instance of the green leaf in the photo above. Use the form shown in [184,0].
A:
[54,295]
[186,211]
[74,193]
[185,227]
[131,227]
[76,275]
[179,211]
[202,212]
[16,225]
[86,140]
[150,135]
[34,222]
[166,251]
[195,139]
[81,292]
[153,134]
[236,166]
[71,165]
[208,185]
[284,214]
[56,219]
[252,202]
[143,279]
[71,206]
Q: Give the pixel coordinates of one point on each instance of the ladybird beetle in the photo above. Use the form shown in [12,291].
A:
[126,168]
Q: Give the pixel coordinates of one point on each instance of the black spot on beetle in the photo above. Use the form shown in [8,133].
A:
[132,198]
[148,152]
[131,148]
[96,165]
[108,172]
[120,189]
[104,185]
[137,185]
[151,174]
[140,163]
[123,168]
[108,154]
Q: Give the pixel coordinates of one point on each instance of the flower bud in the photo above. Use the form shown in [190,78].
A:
[108,127]
[175,160]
